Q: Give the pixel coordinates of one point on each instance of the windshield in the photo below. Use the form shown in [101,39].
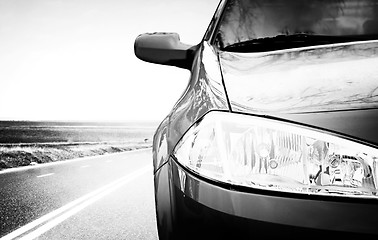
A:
[251,21]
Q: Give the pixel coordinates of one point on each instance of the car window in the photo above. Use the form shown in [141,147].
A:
[246,20]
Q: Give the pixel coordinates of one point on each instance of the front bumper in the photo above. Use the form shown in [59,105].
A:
[203,209]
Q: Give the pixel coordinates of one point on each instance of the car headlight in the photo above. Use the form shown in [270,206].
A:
[263,153]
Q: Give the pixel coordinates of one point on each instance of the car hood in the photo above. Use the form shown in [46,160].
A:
[334,87]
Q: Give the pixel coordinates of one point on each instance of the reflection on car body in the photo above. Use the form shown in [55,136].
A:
[275,134]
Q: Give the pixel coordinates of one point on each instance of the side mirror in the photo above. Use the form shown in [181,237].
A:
[164,48]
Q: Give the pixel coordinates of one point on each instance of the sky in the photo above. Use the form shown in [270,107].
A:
[74,59]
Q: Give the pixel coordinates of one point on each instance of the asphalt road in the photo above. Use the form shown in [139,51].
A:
[104,197]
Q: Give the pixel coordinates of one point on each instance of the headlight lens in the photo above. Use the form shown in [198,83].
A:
[268,154]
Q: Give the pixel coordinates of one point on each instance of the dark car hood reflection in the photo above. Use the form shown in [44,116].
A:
[312,79]
[320,86]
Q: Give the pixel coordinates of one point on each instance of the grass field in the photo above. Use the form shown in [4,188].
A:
[29,143]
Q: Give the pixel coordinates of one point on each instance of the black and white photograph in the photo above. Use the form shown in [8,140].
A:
[173,119]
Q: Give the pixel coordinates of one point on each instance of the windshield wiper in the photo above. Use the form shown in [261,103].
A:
[289,41]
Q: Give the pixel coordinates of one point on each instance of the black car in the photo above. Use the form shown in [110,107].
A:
[276,133]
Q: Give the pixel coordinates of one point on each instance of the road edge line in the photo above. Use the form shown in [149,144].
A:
[71,205]
[69,213]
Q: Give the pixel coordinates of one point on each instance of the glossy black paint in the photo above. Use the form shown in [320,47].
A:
[357,124]
[204,93]
[189,206]
[164,48]
[202,209]
[222,211]
[332,77]
[163,203]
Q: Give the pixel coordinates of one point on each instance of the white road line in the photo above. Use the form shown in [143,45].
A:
[45,175]
[85,166]
[57,216]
